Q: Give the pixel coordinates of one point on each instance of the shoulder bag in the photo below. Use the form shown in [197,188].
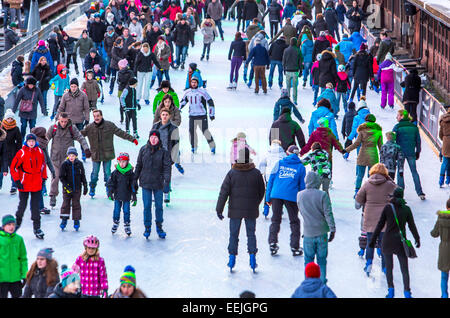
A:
[407,245]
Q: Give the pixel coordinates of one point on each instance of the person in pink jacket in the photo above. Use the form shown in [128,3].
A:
[92,269]
[386,77]
[239,143]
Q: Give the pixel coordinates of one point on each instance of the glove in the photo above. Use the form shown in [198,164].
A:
[19,185]
[331,236]
[85,189]
[417,155]
[212,117]
[220,215]
[111,196]
[88,153]
[418,243]
[53,86]
[135,142]
[138,106]
[53,175]
[348,142]
[67,189]
[166,189]
[134,198]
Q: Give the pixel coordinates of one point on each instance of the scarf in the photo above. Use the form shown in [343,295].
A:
[124,170]
[75,95]
[8,126]
[160,47]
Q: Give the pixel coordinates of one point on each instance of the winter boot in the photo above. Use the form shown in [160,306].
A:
[147,102]
[441,180]
[231,261]
[266,210]
[230,86]
[390,293]
[52,201]
[297,251]
[135,135]
[180,168]
[127,229]
[273,248]
[44,210]
[167,197]
[76,225]
[160,231]
[115,227]
[304,84]
[182,66]
[407,294]
[253,264]
[202,57]
[39,234]
[91,191]
[148,229]
[368,266]
[63,223]
[193,150]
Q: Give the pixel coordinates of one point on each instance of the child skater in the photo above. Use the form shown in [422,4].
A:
[128,102]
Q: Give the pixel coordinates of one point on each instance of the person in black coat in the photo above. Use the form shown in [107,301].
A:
[43,74]
[320,45]
[362,70]
[93,58]
[153,169]
[347,123]
[392,243]
[122,189]
[276,51]
[249,11]
[244,189]
[182,35]
[304,21]
[411,95]
[355,15]
[327,69]
[286,130]
[97,32]
[3,153]
[13,142]
[319,25]
[332,20]
[274,11]
[17,71]
[43,275]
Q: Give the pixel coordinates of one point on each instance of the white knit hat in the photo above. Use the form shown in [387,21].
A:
[9,114]
[362,103]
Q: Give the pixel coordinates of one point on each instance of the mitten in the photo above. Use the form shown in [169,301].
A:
[19,185]
[220,215]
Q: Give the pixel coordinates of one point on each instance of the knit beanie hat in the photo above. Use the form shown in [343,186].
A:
[362,103]
[68,276]
[284,92]
[74,81]
[293,149]
[72,151]
[41,43]
[193,66]
[351,105]
[194,78]
[129,276]
[312,270]
[110,28]
[370,118]
[30,136]
[285,110]
[124,156]
[13,25]
[46,252]
[398,193]
[156,25]
[154,132]
[7,219]
[323,122]
[165,84]
[93,50]
[9,114]
[31,80]
[123,63]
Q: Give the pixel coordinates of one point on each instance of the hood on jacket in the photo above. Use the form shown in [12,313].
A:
[292,159]
[363,112]
[377,179]
[444,215]
[243,166]
[42,49]
[311,285]
[327,55]
[2,134]
[59,69]
[368,126]
[312,180]
[342,75]
[276,148]
[145,54]
[445,118]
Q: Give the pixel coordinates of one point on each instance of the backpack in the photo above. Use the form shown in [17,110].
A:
[55,128]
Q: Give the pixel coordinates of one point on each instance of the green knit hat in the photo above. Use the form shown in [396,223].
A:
[129,276]
[7,219]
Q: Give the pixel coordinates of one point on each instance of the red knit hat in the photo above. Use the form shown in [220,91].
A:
[312,270]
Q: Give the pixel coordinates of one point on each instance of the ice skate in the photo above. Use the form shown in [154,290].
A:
[147,232]
[39,234]
[160,231]
[127,229]
[273,249]
[253,264]
[76,225]
[115,227]
[231,262]
[297,251]
[63,224]
[52,201]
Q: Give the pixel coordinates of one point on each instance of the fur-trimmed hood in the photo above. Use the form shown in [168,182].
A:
[243,166]
[369,126]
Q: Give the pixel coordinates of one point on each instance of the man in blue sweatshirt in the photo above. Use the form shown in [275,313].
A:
[261,60]
[286,180]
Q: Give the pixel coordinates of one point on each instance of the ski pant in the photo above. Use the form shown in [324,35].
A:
[206,49]
[325,182]
[273,28]
[143,83]
[131,115]
[260,74]
[14,288]
[317,246]
[387,94]
[23,125]
[96,170]
[219,27]
[250,227]
[147,198]
[403,260]
[360,175]
[292,82]
[412,166]
[358,85]
[277,210]
[202,122]
[273,65]
[54,186]
[370,251]
[34,202]
[72,57]
[126,211]
[412,110]
[160,74]
[236,62]
[444,284]
[71,200]
[56,104]
[334,32]
[239,24]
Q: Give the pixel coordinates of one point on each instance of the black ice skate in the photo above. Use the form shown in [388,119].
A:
[273,249]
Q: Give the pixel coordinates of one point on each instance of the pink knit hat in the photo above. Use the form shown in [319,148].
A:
[41,43]
[123,63]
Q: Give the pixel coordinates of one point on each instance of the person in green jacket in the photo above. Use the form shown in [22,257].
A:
[13,259]
[164,89]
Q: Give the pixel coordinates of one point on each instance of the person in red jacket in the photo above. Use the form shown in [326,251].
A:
[28,170]
[172,10]
[325,137]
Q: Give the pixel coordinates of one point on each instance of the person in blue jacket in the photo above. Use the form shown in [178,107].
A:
[346,47]
[357,39]
[359,119]
[42,50]
[193,72]
[324,109]
[329,94]
[285,101]
[312,286]
[260,58]
[307,46]
[286,180]
[289,10]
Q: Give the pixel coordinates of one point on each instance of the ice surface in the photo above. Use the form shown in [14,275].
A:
[191,261]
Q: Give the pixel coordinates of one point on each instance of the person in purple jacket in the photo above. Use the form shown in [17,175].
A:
[386,74]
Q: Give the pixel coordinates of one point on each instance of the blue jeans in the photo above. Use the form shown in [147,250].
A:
[80,127]
[219,26]
[24,123]
[306,71]
[370,251]
[274,64]
[147,198]
[412,166]
[235,226]
[445,167]
[126,211]
[108,68]
[154,74]
[360,175]
[252,73]
[316,93]
[160,74]
[344,99]
[44,96]
[100,49]
[181,52]
[27,14]
[317,246]
[444,284]
[96,170]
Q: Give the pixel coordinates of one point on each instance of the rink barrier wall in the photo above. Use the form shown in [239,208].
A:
[27,45]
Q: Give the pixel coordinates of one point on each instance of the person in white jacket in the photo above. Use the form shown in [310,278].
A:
[269,162]
[136,28]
